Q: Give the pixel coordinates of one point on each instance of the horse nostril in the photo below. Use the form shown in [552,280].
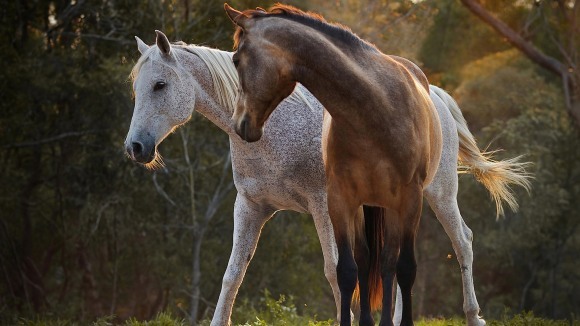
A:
[244,128]
[137,148]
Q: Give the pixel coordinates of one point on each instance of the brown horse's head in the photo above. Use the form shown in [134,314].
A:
[265,72]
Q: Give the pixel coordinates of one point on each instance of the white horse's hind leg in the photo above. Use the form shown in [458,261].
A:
[329,250]
[447,211]
[249,218]
[442,197]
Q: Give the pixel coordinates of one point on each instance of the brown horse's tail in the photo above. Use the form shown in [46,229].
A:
[374,223]
[496,176]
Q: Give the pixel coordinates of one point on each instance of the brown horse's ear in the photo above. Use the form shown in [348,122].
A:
[236,16]
[163,43]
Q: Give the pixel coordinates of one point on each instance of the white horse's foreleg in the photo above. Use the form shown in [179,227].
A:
[444,204]
[249,218]
[329,251]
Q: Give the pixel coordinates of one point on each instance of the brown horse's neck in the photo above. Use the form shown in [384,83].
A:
[335,71]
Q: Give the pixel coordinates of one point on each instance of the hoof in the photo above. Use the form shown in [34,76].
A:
[216,323]
[475,321]
[338,318]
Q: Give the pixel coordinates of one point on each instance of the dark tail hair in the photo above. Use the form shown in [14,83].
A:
[374,218]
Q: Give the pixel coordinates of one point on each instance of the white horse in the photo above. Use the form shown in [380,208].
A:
[284,170]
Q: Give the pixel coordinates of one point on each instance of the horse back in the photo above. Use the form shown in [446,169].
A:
[413,69]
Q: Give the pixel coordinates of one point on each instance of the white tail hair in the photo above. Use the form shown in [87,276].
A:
[496,176]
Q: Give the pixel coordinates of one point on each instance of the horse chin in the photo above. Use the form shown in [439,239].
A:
[251,135]
[155,162]
[248,132]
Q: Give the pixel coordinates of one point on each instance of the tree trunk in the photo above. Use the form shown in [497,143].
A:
[196,276]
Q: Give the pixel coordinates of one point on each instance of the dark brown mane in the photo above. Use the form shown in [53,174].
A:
[311,19]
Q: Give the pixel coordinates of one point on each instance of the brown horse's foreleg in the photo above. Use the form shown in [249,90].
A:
[342,214]
[362,257]
[407,265]
[406,272]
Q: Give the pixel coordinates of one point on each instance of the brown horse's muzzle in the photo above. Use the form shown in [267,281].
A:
[248,131]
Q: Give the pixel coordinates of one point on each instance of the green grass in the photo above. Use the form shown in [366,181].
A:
[165,319]
[283,312]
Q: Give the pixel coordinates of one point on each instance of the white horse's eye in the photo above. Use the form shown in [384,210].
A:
[159,85]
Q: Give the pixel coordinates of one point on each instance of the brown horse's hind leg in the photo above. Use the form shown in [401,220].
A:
[389,258]
[407,265]
[342,214]
[398,255]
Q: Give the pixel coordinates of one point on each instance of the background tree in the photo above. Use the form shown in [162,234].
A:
[552,25]
[85,233]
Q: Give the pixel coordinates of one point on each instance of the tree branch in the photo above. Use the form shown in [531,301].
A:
[100,37]
[50,139]
[515,39]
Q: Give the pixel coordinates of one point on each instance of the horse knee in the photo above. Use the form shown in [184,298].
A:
[330,273]
[347,274]
[406,274]
[407,267]
[231,279]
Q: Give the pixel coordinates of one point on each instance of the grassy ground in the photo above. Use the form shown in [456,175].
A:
[280,312]
[168,320]
[165,319]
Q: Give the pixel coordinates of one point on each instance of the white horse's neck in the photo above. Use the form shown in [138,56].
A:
[217,81]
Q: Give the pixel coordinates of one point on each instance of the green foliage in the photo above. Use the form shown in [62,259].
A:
[523,319]
[501,86]
[455,39]
[84,233]
[162,319]
[273,312]
[288,317]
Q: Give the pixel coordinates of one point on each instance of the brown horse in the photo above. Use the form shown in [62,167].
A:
[381,137]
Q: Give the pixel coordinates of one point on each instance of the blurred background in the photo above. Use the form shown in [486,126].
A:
[86,233]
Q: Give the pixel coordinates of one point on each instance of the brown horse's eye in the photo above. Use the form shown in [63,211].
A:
[159,85]
[236,61]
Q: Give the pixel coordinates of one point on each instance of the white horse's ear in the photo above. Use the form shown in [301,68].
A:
[163,43]
[236,16]
[141,45]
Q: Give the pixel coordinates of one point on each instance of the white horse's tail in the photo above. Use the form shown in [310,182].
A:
[496,176]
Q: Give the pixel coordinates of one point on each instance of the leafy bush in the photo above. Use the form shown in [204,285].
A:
[272,312]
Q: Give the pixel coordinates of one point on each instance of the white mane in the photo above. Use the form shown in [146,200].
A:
[222,71]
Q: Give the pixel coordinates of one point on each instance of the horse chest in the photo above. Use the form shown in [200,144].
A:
[281,182]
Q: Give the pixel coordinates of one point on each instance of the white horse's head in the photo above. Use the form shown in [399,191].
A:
[164,99]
